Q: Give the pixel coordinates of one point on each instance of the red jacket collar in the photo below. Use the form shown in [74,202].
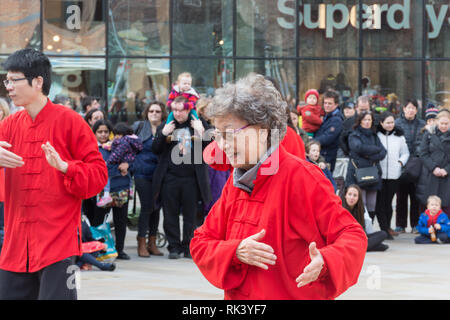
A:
[432,219]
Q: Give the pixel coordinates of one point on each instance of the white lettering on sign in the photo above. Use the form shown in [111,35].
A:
[397,16]
[74,20]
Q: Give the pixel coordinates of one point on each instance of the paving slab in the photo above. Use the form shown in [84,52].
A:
[405,271]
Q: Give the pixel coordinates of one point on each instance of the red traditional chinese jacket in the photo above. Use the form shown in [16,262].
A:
[43,205]
[296,205]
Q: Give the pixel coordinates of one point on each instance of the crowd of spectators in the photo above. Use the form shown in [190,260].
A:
[410,156]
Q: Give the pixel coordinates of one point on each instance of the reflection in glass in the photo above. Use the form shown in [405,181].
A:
[139,27]
[19,18]
[262,29]
[437,79]
[328,29]
[132,83]
[392,29]
[202,27]
[341,76]
[74,27]
[207,74]
[75,77]
[438,13]
[282,71]
[400,80]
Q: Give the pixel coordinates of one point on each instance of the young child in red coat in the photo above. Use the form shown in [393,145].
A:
[183,87]
[312,114]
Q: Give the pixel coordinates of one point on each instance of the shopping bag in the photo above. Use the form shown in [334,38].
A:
[104,231]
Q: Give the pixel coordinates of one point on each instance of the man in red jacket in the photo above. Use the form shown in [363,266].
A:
[52,162]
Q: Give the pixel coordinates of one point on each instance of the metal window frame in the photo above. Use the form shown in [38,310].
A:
[298,59]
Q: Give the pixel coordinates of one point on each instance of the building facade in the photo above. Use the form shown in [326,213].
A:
[132,50]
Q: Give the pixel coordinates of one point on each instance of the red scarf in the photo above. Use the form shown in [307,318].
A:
[432,219]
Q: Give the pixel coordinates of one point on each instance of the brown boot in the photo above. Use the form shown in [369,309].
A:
[142,250]
[152,248]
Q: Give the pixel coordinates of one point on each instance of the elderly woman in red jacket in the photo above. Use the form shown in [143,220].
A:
[278,231]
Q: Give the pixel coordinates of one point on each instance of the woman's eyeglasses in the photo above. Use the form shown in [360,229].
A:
[154,111]
[227,135]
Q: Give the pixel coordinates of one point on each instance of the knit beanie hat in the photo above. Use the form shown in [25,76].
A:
[314,92]
[431,113]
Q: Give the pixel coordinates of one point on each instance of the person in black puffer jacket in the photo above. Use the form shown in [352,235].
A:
[411,126]
[435,154]
[366,150]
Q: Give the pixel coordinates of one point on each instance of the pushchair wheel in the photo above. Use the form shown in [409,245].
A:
[161,240]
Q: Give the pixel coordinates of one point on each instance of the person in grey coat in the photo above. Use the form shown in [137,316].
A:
[435,154]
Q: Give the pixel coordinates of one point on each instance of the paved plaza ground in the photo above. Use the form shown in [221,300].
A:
[406,271]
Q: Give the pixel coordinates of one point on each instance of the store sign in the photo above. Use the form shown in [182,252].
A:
[397,15]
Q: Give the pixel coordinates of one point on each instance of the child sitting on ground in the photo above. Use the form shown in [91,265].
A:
[124,148]
[434,224]
[312,114]
[183,87]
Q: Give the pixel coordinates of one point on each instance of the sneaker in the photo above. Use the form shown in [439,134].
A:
[104,201]
[123,256]
[400,230]
[174,255]
[109,267]
[414,230]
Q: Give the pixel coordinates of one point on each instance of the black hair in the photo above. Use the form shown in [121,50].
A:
[32,64]
[358,210]
[413,102]
[86,101]
[91,112]
[385,115]
[123,129]
[361,116]
[102,122]
[331,94]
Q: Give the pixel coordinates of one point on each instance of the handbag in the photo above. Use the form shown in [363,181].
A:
[411,170]
[366,177]
[104,231]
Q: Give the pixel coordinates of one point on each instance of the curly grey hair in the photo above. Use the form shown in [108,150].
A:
[253,99]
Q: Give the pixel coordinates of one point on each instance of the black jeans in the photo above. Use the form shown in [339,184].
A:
[120,216]
[405,190]
[149,216]
[375,239]
[179,193]
[54,282]
[383,209]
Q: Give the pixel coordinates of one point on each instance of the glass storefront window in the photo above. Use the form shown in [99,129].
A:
[207,74]
[202,27]
[263,30]
[19,25]
[437,79]
[282,71]
[386,81]
[132,83]
[139,28]
[392,29]
[322,75]
[328,29]
[74,27]
[75,77]
[438,28]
